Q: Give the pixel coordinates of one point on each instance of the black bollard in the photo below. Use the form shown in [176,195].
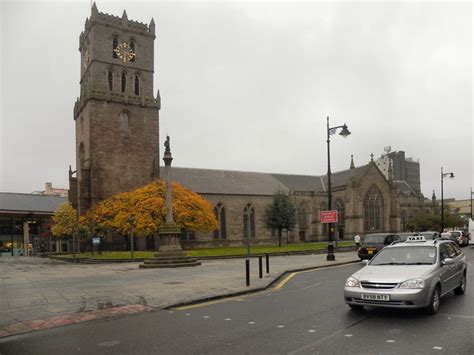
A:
[267,262]
[260,271]
[247,272]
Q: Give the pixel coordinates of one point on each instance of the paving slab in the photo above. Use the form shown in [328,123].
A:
[40,293]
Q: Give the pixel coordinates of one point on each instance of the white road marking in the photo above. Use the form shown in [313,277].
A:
[170,311]
[227,319]
[206,317]
[251,322]
[109,343]
[311,330]
[348,335]
[390,341]
[188,314]
[437,348]
[280,326]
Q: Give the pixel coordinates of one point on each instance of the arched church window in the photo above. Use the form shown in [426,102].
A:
[249,221]
[124,124]
[137,85]
[341,212]
[111,81]
[124,81]
[373,210]
[219,212]
[132,46]
[303,216]
[404,221]
[114,45]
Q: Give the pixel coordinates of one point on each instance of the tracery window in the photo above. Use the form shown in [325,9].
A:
[124,81]
[137,85]
[341,212]
[111,81]
[373,210]
[303,216]
[114,45]
[249,221]
[132,46]
[219,212]
[124,121]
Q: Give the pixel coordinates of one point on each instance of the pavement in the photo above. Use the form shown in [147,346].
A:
[38,293]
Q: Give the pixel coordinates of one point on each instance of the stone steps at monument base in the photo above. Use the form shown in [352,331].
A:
[170,261]
[160,265]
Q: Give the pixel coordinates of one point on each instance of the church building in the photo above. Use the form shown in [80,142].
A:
[117,149]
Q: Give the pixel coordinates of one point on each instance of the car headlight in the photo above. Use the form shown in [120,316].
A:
[352,282]
[415,283]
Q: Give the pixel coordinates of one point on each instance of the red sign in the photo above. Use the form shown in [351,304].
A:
[329,216]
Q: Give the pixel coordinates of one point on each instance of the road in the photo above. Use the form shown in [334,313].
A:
[305,316]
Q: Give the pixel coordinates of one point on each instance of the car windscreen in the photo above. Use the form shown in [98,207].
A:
[456,234]
[374,239]
[413,255]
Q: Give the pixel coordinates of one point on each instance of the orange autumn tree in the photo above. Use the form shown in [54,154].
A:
[144,209]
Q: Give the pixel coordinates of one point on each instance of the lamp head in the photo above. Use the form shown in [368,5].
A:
[345,132]
[451,175]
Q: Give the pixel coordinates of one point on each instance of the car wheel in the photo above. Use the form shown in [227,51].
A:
[356,307]
[434,302]
[462,287]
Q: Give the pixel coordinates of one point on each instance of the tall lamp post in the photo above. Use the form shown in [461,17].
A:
[330,131]
[443,175]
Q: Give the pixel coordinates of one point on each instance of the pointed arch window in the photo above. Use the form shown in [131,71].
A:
[110,78]
[124,121]
[249,221]
[124,82]
[219,212]
[303,216]
[137,85]
[373,210]
[341,212]
[114,45]
[132,46]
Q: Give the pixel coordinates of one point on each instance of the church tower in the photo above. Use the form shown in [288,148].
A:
[116,115]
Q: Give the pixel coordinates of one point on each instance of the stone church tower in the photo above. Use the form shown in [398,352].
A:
[116,115]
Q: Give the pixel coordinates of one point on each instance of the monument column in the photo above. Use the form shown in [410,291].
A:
[170,253]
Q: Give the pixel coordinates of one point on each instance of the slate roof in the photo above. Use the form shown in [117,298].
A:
[18,202]
[228,182]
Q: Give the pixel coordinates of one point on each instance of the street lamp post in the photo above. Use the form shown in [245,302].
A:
[443,175]
[330,131]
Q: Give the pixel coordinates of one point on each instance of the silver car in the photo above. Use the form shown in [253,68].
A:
[410,274]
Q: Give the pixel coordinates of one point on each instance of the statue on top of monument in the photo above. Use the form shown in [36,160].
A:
[167,144]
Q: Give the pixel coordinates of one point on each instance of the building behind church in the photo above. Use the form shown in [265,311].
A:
[117,149]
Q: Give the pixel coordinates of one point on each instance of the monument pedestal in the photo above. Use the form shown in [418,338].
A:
[170,253]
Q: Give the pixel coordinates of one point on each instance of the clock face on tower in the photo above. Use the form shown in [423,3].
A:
[125,52]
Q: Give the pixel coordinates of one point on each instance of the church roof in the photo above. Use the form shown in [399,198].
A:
[28,203]
[228,182]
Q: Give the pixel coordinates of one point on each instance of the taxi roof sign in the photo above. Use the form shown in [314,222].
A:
[416,238]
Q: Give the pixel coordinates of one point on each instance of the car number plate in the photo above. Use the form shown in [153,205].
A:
[370,252]
[375,297]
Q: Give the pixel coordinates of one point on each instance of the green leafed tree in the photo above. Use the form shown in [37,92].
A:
[280,214]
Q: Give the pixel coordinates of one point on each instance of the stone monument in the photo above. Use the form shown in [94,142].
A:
[170,253]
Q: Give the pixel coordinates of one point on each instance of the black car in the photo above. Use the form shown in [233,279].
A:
[373,243]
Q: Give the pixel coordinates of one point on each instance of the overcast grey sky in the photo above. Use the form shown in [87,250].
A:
[247,86]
